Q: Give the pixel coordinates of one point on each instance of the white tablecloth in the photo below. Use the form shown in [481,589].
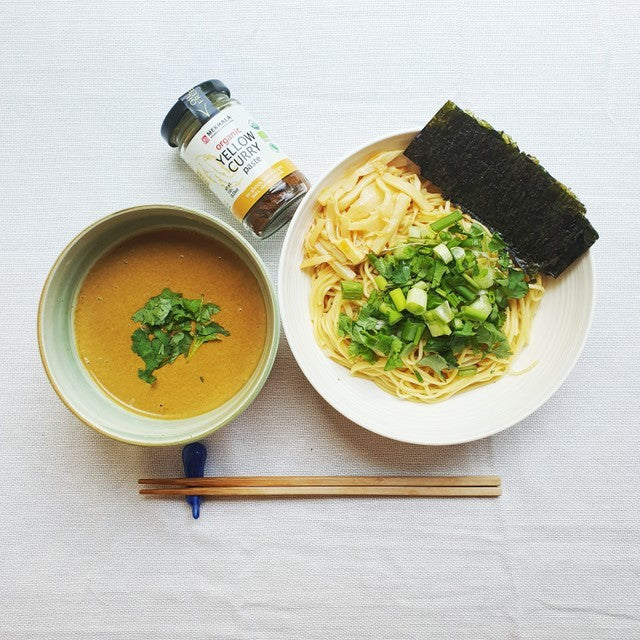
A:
[83,89]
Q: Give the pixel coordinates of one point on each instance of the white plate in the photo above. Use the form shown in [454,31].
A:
[559,333]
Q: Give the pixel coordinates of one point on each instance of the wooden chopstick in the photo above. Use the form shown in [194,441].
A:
[329,481]
[350,490]
[417,486]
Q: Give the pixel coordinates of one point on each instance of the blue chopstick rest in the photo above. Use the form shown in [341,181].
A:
[194,456]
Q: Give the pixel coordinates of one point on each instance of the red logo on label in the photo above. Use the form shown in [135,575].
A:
[205,139]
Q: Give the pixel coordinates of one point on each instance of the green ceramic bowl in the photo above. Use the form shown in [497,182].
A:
[57,343]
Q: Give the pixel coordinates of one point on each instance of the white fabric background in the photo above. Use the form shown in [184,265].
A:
[83,89]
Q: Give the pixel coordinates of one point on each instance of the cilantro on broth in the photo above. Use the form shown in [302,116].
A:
[172,326]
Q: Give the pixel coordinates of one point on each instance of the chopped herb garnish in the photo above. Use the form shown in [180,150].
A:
[447,290]
[435,362]
[351,290]
[172,326]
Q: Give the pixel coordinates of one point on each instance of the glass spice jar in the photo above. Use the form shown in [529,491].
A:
[234,157]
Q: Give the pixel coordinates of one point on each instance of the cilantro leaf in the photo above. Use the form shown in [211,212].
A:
[172,326]
[435,362]
[399,272]
[422,266]
[345,325]
[394,361]
[356,349]
[380,265]
[492,340]
[368,323]
[514,285]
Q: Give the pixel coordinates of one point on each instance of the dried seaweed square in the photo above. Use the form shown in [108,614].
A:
[483,172]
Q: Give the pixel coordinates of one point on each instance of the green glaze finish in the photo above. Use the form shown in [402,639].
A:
[68,375]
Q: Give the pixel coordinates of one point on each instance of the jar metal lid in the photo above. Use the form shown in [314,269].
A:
[183,105]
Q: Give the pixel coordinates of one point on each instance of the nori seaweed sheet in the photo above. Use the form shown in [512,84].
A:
[483,172]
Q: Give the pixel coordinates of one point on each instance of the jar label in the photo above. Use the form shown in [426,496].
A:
[236,159]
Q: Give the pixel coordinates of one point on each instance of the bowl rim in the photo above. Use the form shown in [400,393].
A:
[270,300]
[308,200]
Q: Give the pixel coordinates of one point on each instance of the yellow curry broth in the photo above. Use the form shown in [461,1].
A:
[189,263]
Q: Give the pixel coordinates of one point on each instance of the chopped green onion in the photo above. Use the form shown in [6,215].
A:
[438,328]
[428,233]
[439,270]
[447,221]
[453,299]
[404,252]
[381,282]
[418,376]
[409,330]
[454,305]
[466,293]
[398,299]
[416,301]
[485,279]
[444,312]
[478,310]
[393,316]
[442,251]
[351,290]
[407,349]
[471,281]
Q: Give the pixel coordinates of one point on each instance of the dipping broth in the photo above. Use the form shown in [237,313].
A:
[192,264]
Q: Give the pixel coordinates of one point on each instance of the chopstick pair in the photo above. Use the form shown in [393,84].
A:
[407,486]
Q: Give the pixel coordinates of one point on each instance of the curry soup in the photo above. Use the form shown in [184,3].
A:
[197,266]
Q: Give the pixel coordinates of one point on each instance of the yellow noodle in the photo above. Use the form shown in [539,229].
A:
[371,209]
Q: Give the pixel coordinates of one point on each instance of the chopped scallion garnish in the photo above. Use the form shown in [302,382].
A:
[351,290]
[445,291]
[398,299]
[478,310]
[381,282]
[466,293]
[442,251]
[392,315]
[444,312]
[417,301]
[471,281]
[447,221]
